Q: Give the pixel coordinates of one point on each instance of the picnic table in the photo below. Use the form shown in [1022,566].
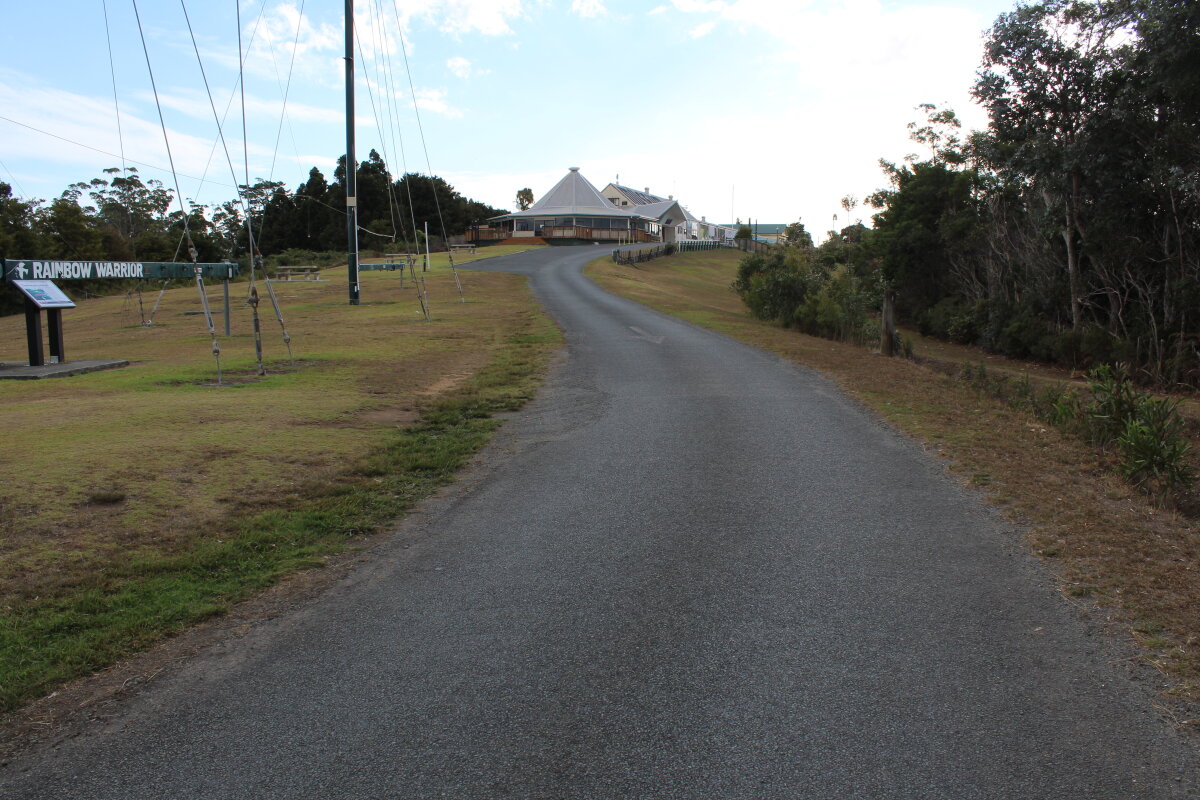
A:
[458,248]
[308,273]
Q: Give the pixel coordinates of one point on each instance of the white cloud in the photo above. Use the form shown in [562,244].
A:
[459,67]
[848,75]
[86,139]
[463,68]
[435,100]
[194,103]
[863,45]
[588,8]
[380,30]
[489,17]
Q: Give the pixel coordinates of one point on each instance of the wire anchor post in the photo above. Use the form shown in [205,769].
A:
[422,295]
[157,303]
[287,339]
[462,298]
[212,331]
[141,306]
[257,329]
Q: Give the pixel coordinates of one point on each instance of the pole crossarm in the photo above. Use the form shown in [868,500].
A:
[35,269]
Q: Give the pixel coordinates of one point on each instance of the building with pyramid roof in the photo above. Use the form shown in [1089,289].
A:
[574,210]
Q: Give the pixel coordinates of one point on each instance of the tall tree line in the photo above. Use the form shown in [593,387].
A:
[120,216]
[1069,230]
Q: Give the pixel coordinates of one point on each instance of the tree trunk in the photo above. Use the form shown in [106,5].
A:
[887,344]
[1068,235]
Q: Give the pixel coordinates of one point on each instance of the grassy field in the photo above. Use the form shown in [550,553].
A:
[438,260]
[136,501]
[1108,544]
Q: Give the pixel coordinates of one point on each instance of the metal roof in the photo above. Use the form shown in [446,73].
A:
[639,197]
[574,196]
[663,210]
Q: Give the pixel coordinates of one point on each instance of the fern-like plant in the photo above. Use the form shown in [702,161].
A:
[1154,453]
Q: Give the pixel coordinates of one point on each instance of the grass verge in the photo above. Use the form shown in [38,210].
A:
[1109,544]
[383,412]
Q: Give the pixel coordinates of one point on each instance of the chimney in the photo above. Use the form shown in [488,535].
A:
[670,197]
[647,190]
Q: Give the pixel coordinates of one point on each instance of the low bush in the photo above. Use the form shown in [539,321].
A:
[1151,446]
[789,288]
[954,320]
[1154,451]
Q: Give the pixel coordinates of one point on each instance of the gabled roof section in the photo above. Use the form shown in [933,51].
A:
[638,197]
[664,210]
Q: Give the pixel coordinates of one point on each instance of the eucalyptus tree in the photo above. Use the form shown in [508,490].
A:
[1046,78]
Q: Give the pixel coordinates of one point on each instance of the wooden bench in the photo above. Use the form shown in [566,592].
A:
[298,273]
[402,260]
[462,248]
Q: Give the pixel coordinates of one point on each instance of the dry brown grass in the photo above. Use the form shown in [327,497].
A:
[1140,563]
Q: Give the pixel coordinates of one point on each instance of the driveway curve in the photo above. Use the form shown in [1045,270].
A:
[689,570]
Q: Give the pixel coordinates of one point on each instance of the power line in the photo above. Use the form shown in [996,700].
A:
[113,72]
[166,139]
[421,129]
[392,200]
[287,89]
[15,182]
[395,126]
[216,119]
[158,167]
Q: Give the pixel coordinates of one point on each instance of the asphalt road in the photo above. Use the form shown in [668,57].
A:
[689,570]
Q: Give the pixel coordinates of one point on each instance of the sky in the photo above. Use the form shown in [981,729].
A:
[772,110]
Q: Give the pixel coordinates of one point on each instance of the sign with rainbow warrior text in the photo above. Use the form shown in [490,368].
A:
[33,269]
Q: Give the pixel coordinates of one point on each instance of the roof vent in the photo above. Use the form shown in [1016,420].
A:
[574,169]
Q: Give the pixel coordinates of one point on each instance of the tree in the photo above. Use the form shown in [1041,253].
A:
[524,199]
[744,232]
[1046,76]
[17,238]
[795,235]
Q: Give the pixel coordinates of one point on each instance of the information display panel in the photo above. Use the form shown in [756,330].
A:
[44,294]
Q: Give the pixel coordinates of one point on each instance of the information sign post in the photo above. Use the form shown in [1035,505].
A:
[41,294]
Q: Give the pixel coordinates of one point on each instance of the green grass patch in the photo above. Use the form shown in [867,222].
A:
[117,611]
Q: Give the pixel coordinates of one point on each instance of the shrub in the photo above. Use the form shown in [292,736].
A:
[773,285]
[1084,347]
[1023,334]
[790,288]
[1114,402]
[837,309]
[1154,451]
[295,256]
[956,320]
[776,294]
[1152,448]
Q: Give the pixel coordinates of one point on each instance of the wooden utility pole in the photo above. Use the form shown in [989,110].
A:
[887,344]
[351,166]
